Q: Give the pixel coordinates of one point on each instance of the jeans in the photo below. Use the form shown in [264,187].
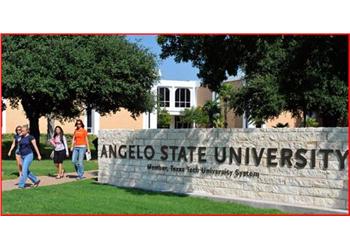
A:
[26,161]
[77,159]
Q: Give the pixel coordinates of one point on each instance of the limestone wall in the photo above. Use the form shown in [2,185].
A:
[138,159]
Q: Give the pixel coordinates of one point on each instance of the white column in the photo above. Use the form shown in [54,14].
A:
[244,120]
[172,97]
[145,120]
[213,95]
[95,122]
[193,97]
[153,119]
[85,119]
[149,120]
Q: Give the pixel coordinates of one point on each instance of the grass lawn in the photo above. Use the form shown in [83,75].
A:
[44,167]
[89,197]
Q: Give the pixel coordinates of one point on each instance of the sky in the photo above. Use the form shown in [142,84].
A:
[170,70]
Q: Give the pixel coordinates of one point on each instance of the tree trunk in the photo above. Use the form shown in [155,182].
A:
[50,127]
[34,128]
[304,118]
[225,115]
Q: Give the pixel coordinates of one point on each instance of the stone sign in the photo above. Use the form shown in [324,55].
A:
[306,167]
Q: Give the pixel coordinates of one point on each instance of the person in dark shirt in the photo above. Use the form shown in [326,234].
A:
[26,153]
[15,144]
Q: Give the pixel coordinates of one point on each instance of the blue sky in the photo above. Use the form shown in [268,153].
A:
[169,68]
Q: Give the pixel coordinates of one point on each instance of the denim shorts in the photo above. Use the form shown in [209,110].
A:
[17,151]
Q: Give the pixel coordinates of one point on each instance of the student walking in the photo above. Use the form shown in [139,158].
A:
[26,153]
[15,144]
[80,144]
[61,151]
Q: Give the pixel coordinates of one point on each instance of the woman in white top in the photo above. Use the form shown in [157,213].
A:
[61,151]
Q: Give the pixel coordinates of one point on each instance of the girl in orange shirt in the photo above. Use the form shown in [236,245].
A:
[80,143]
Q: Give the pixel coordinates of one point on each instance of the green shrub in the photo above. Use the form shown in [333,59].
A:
[311,122]
[163,119]
[219,122]
[195,115]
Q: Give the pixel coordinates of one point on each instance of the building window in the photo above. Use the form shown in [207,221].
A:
[164,97]
[180,124]
[89,120]
[182,98]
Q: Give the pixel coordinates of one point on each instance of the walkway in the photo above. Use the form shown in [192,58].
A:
[47,180]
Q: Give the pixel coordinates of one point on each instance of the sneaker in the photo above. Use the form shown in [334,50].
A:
[80,178]
[36,184]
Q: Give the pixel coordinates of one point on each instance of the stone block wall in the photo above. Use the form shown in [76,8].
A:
[302,181]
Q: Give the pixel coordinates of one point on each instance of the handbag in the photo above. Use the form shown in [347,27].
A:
[88,156]
[52,154]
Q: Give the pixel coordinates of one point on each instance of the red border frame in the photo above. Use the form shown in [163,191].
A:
[186,34]
[1,123]
[173,34]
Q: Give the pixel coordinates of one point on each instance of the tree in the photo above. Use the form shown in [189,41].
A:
[307,73]
[213,110]
[207,116]
[313,78]
[260,99]
[163,118]
[195,115]
[225,92]
[62,75]
[50,127]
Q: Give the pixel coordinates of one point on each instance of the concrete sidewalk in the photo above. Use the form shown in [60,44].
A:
[47,180]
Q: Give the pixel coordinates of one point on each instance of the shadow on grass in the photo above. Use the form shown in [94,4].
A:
[15,174]
[71,176]
[138,191]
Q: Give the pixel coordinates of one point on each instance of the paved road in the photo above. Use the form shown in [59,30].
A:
[47,180]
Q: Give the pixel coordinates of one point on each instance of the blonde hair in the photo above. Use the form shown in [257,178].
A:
[26,126]
[18,127]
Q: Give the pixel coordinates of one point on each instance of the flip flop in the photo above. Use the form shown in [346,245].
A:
[36,184]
